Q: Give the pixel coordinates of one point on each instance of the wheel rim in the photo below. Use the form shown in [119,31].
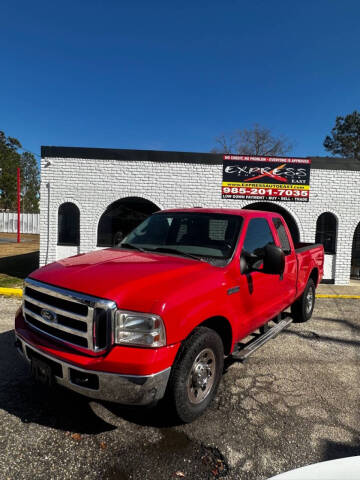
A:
[202,376]
[309,300]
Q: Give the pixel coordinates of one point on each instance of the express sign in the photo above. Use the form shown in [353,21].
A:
[266,178]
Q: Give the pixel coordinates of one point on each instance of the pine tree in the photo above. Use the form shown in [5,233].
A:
[10,160]
[345,136]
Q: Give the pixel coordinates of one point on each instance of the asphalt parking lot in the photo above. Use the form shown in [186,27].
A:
[294,402]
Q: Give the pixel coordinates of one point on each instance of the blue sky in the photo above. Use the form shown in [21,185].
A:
[174,75]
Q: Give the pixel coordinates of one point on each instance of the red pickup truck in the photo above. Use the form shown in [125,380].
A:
[155,316]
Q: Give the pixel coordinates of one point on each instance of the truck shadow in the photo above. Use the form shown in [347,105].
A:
[308,335]
[58,408]
[343,322]
[156,416]
[22,397]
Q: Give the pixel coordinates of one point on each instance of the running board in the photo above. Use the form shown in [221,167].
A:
[254,345]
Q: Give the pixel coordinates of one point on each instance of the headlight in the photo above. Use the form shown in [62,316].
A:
[142,329]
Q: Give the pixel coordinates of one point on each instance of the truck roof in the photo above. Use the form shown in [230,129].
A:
[226,211]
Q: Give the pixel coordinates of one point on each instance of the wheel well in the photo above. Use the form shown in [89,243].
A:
[222,327]
[314,275]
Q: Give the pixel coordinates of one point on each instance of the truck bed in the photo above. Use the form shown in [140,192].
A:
[303,246]
[309,256]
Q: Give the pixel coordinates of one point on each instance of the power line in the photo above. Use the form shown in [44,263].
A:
[29,151]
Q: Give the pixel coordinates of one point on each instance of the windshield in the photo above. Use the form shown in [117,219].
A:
[203,235]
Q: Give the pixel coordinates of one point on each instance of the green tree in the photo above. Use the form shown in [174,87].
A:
[10,159]
[30,183]
[257,140]
[345,136]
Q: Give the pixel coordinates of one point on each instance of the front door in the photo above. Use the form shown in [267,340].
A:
[261,293]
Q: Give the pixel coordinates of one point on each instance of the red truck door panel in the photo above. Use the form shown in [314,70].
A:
[262,294]
[257,298]
[288,281]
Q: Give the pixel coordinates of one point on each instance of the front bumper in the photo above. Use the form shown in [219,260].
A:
[124,389]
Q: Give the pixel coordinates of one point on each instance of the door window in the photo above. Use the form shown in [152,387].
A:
[283,238]
[258,235]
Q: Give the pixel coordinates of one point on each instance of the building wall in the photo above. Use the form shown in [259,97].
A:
[94,184]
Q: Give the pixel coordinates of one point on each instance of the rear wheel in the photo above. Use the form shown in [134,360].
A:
[303,308]
[196,374]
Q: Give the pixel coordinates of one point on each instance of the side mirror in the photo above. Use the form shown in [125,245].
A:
[274,260]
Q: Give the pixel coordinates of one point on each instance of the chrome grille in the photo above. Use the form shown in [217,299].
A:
[77,320]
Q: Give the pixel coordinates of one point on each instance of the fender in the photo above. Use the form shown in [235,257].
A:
[188,315]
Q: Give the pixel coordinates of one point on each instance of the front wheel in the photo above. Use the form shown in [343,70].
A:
[196,374]
[303,308]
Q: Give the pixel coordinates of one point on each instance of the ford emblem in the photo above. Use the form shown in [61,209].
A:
[48,316]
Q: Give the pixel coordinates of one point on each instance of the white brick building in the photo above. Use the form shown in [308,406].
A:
[79,184]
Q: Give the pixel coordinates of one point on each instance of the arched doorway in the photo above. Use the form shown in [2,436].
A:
[121,217]
[355,254]
[274,207]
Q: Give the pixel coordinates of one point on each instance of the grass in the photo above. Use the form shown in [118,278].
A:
[7,281]
[9,248]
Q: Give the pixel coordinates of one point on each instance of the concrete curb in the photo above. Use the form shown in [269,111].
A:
[323,295]
[11,292]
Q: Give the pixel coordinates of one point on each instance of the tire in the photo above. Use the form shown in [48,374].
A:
[303,308]
[189,394]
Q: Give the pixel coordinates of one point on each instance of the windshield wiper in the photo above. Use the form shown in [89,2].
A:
[131,246]
[177,252]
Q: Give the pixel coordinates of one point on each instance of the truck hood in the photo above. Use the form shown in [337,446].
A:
[134,280]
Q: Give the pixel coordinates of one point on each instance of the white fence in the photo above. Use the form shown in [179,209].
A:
[29,222]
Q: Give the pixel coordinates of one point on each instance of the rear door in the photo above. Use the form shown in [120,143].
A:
[286,283]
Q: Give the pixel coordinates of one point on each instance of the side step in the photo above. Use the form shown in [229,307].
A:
[251,347]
